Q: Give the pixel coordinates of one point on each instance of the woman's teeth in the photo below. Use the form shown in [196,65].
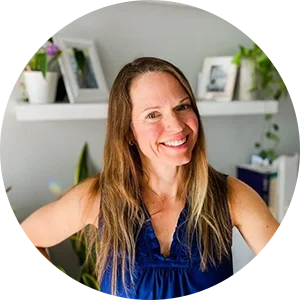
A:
[175,143]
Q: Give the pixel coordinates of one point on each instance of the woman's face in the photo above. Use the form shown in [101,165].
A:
[164,124]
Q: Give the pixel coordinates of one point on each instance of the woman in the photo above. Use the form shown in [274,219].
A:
[166,216]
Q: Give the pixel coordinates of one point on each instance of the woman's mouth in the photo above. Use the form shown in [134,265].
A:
[176,143]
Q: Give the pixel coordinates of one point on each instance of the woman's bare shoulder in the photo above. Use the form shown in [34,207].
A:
[241,197]
[88,193]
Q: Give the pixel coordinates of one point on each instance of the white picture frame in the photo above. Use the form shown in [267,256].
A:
[85,84]
[217,79]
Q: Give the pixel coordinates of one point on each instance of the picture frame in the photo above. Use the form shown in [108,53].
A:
[217,79]
[81,70]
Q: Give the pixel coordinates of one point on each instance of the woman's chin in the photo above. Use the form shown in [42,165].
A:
[176,162]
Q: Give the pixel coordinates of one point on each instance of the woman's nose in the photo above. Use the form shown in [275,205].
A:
[173,123]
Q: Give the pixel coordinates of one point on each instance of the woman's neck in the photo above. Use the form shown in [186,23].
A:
[162,182]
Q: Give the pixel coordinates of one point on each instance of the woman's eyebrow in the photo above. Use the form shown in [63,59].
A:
[156,107]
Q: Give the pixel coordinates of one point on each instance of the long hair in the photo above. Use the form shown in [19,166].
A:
[121,182]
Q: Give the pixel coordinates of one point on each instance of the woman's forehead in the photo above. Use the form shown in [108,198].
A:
[156,88]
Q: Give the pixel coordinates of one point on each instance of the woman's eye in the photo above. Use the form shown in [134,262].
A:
[152,115]
[183,107]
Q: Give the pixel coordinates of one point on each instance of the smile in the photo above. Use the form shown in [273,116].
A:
[175,143]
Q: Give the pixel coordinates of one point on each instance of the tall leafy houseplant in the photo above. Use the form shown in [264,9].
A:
[268,82]
[87,262]
[87,274]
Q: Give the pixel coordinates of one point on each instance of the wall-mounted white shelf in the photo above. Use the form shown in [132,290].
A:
[98,111]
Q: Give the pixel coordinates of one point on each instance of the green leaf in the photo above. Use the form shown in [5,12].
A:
[42,63]
[271,154]
[263,61]
[8,189]
[266,81]
[275,127]
[256,51]
[256,45]
[90,281]
[62,269]
[33,63]
[82,171]
[272,136]
[237,59]
[263,154]
[257,145]
[268,117]
[278,94]
[242,51]
[79,247]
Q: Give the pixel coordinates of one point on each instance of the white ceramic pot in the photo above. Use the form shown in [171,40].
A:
[40,90]
[246,80]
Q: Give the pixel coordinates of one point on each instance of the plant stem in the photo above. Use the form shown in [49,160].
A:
[262,135]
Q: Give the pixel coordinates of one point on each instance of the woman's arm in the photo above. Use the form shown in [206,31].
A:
[250,215]
[55,222]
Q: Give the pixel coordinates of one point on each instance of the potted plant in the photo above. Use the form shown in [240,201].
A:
[40,77]
[86,261]
[259,77]
[87,276]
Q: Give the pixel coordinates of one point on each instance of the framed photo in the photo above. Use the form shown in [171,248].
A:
[81,70]
[217,80]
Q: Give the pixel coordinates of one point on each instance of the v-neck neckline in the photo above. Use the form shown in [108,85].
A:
[173,242]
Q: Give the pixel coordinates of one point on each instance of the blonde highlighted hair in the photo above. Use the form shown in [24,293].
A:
[122,181]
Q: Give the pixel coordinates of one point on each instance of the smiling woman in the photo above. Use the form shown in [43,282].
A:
[164,214]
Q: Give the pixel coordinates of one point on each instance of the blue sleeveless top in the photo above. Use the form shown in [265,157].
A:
[157,277]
